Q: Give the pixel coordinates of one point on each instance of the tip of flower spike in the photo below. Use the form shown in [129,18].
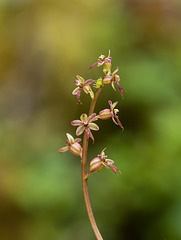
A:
[109,53]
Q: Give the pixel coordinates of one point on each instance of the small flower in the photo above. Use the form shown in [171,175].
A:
[102,60]
[72,145]
[98,83]
[111,113]
[114,78]
[83,85]
[86,124]
[96,164]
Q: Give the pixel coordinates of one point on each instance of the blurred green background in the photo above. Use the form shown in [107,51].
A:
[43,46]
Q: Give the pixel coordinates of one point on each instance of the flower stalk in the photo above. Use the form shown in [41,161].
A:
[87,123]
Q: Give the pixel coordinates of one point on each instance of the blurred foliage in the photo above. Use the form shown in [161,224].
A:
[43,45]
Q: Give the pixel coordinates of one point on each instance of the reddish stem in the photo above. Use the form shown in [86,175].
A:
[84,174]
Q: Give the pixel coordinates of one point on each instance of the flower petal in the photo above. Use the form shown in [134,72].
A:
[75,91]
[121,89]
[83,117]
[105,165]
[89,134]
[116,78]
[70,138]
[101,58]
[78,140]
[102,154]
[114,120]
[93,65]
[114,105]
[114,169]
[91,94]
[110,103]
[80,78]
[117,69]
[78,82]
[80,130]
[91,117]
[86,89]
[119,123]
[100,63]
[88,82]
[76,123]
[78,94]
[93,126]
[112,84]
[63,149]
[109,161]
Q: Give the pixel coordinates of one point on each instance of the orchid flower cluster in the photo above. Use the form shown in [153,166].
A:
[87,124]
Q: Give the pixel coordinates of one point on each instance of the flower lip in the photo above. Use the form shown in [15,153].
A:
[114,112]
[77,123]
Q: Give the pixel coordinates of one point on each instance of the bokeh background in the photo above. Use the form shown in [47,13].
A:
[43,46]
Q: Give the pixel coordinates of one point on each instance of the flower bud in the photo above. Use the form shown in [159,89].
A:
[105,114]
[107,80]
[98,83]
[76,149]
[95,165]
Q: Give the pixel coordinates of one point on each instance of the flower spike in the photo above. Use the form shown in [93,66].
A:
[86,124]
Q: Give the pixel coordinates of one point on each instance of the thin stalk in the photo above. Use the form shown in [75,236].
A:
[84,174]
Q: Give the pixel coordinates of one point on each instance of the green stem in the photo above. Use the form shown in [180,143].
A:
[84,174]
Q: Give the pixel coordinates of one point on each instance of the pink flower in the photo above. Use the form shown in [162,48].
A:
[72,145]
[86,124]
[111,113]
[96,164]
[114,78]
[102,60]
[83,85]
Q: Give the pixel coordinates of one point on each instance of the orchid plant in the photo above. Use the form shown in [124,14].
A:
[87,123]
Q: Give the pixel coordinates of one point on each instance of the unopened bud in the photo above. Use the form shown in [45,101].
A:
[95,165]
[107,80]
[76,149]
[105,114]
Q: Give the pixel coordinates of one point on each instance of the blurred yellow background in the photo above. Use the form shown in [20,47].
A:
[43,46]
